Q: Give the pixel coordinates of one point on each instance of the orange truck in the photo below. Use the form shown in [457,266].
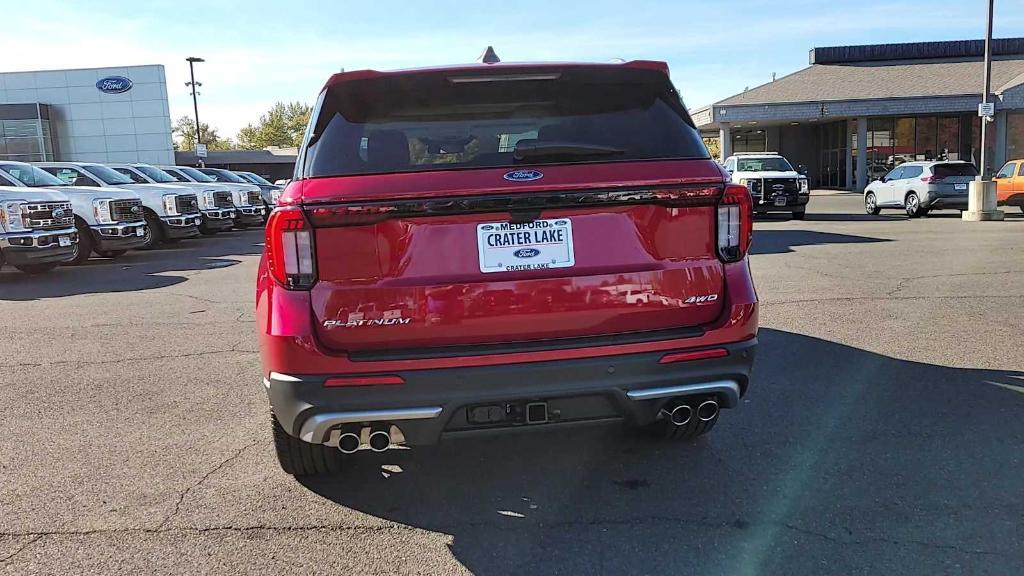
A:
[1010,184]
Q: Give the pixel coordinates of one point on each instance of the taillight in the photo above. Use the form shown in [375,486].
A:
[735,223]
[932,178]
[290,255]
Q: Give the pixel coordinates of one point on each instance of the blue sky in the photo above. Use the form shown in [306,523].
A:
[260,51]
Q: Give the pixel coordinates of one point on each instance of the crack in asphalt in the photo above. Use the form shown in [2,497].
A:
[903,281]
[456,529]
[233,350]
[21,548]
[184,493]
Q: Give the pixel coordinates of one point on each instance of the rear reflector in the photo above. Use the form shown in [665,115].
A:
[363,381]
[693,355]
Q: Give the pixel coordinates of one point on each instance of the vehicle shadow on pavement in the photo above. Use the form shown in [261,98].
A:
[838,457]
[136,270]
[783,241]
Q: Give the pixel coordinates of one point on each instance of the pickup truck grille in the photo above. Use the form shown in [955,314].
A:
[126,210]
[187,204]
[255,199]
[50,215]
[780,185]
[223,200]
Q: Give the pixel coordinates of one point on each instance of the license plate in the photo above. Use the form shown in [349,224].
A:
[780,201]
[537,245]
[64,240]
[960,186]
[140,231]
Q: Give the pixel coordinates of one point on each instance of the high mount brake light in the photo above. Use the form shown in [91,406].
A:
[735,223]
[370,213]
[290,255]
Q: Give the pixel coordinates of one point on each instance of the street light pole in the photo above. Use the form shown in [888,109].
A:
[195,102]
[988,88]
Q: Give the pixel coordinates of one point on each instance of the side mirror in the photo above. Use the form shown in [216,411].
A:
[802,170]
[998,177]
[82,181]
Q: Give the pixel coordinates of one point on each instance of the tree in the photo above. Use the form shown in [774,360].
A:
[283,125]
[713,147]
[185,133]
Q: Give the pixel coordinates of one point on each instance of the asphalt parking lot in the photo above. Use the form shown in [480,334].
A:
[883,433]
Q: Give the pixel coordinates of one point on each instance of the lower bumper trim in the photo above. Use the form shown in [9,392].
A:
[315,428]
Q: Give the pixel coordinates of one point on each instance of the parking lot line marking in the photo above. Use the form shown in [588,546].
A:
[1008,386]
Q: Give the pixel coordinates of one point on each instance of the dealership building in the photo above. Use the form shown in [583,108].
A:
[857,111]
[116,114]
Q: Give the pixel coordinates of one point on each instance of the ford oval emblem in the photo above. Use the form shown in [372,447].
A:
[523,175]
[114,85]
[526,253]
[58,213]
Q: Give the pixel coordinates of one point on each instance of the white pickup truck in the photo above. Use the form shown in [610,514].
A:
[109,221]
[215,201]
[171,212]
[248,200]
[37,229]
[773,183]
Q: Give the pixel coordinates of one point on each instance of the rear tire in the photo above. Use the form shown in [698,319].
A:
[663,429]
[300,458]
[799,215]
[34,269]
[912,204]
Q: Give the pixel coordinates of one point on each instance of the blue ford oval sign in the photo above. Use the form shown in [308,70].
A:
[526,253]
[114,85]
[523,175]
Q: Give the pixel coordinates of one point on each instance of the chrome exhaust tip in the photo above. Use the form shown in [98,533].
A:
[348,442]
[707,410]
[679,415]
[380,440]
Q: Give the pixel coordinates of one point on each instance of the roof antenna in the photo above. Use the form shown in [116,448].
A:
[489,56]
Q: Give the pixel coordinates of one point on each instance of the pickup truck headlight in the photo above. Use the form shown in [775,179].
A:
[13,217]
[241,198]
[101,211]
[207,200]
[170,207]
[804,186]
[275,195]
[752,184]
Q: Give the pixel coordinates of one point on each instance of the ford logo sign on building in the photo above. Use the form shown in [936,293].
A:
[114,85]
[523,175]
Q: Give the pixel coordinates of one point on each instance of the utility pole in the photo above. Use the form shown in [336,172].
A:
[195,92]
[988,88]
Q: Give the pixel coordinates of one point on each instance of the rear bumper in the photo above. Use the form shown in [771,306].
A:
[435,403]
[37,247]
[953,201]
[111,237]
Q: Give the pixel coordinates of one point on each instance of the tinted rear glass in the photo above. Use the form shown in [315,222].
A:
[946,170]
[439,120]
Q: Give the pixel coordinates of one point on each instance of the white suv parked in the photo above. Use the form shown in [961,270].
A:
[171,212]
[773,183]
[214,199]
[109,221]
[919,187]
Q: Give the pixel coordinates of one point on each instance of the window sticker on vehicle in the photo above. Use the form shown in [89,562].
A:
[537,245]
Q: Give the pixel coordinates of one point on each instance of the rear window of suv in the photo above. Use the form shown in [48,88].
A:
[451,120]
[946,170]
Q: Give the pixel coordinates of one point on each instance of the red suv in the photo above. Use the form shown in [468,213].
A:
[496,246]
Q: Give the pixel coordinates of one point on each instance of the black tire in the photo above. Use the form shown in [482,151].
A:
[36,268]
[84,247]
[799,215]
[871,204]
[206,231]
[154,232]
[912,204]
[300,458]
[110,253]
[663,429]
